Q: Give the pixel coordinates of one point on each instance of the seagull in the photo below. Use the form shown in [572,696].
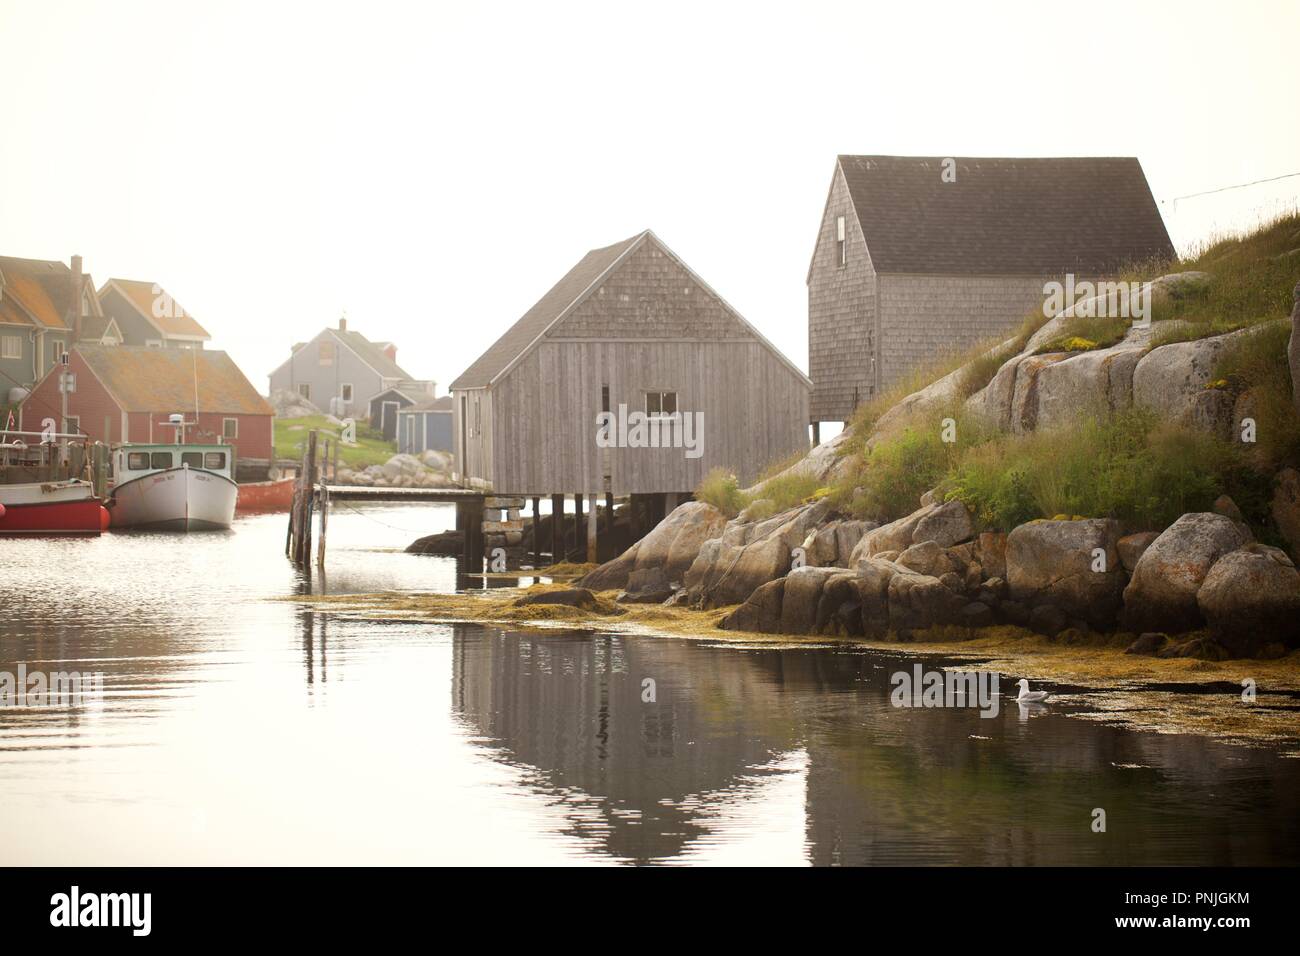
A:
[1027,696]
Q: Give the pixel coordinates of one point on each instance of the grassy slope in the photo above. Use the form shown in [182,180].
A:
[1128,465]
[370,449]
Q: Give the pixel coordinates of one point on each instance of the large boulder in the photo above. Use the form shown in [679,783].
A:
[647,586]
[920,601]
[945,525]
[760,613]
[1162,594]
[894,536]
[1071,565]
[1101,379]
[874,575]
[1251,597]
[727,570]
[671,546]
[1172,380]
[801,597]
[1133,546]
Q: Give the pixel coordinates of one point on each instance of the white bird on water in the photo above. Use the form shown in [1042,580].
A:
[1027,696]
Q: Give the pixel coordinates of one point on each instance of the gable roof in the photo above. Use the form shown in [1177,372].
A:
[576,285]
[144,379]
[371,353]
[94,328]
[565,294]
[1089,216]
[443,404]
[142,295]
[41,288]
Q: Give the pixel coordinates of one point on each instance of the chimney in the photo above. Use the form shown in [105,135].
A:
[343,324]
[391,351]
[77,283]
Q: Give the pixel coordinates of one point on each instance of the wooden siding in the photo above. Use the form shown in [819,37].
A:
[922,318]
[841,313]
[754,411]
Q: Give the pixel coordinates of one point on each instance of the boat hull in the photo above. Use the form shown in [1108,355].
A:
[178,499]
[53,507]
[266,495]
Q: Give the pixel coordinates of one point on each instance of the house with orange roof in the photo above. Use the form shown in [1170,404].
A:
[45,306]
[147,315]
[124,393]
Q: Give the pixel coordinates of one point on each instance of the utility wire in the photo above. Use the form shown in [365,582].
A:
[1224,189]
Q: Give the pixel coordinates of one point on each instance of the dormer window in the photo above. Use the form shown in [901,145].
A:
[840,251]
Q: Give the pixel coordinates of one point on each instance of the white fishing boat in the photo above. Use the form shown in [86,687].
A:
[178,487]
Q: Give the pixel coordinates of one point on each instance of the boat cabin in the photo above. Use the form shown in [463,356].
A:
[135,461]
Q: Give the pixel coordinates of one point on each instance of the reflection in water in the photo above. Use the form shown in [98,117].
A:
[238,727]
[879,785]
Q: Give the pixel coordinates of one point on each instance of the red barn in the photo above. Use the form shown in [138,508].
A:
[124,393]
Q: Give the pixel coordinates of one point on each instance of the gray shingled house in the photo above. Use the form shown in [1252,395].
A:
[340,371]
[911,263]
[630,328]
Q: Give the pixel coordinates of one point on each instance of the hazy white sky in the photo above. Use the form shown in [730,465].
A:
[433,168]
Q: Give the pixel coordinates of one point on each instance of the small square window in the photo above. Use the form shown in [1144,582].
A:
[660,404]
[304,391]
[214,460]
[160,460]
[192,459]
[11,346]
[230,428]
[345,392]
[137,460]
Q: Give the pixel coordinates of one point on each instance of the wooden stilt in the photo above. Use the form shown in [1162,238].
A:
[609,512]
[577,524]
[557,529]
[324,520]
[816,434]
[537,532]
[592,514]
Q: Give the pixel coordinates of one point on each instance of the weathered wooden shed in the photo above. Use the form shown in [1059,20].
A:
[630,328]
[918,256]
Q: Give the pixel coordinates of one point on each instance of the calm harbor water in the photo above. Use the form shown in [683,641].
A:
[236,728]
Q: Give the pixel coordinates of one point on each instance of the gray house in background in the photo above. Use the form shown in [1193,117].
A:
[921,256]
[143,313]
[45,307]
[340,371]
[426,426]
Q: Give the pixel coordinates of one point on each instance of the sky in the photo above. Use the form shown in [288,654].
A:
[430,170]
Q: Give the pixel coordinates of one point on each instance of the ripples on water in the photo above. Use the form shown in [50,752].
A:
[238,729]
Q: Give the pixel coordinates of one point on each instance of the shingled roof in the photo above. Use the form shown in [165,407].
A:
[575,284]
[1089,216]
[164,380]
[42,287]
[142,294]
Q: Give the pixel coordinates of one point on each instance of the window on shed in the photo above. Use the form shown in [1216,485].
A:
[304,390]
[660,404]
[11,346]
[840,249]
[230,428]
[345,392]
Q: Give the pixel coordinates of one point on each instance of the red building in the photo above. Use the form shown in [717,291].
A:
[123,393]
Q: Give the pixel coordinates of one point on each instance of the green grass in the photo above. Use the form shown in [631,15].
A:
[370,449]
[1257,367]
[779,492]
[1252,278]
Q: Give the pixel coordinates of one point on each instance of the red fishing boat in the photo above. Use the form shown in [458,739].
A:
[41,495]
[266,495]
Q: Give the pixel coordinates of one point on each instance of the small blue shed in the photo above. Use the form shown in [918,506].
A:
[425,425]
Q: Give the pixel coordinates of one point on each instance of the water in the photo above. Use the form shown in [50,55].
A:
[238,728]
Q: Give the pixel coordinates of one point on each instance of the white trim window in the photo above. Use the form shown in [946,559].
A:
[230,428]
[345,391]
[304,390]
[72,425]
[841,246]
[11,346]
